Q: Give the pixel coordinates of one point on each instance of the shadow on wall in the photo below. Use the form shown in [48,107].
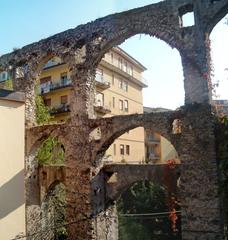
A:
[12,194]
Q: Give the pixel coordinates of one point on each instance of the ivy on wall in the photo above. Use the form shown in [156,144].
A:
[42,111]
[51,152]
[223,164]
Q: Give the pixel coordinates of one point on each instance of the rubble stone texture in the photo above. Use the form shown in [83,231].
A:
[82,48]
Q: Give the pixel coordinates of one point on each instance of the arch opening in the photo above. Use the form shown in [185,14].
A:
[51,152]
[217,17]
[152,64]
[53,213]
[152,145]
[147,210]
[122,88]
[186,15]
[218,38]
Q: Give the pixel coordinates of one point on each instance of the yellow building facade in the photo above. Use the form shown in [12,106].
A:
[158,150]
[119,86]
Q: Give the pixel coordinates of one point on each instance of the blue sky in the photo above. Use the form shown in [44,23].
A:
[26,21]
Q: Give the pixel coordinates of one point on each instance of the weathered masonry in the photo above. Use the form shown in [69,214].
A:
[82,48]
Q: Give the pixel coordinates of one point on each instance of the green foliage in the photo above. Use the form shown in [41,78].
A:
[55,205]
[42,111]
[142,198]
[59,203]
[223,163]
[8,84]
[51,152]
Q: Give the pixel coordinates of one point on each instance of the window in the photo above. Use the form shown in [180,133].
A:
[64,99]
[63,78]
[186,15]
[121,149]
[126,105]
[151,153]
[128,149]
[131,70]
[47,102]
[45,84]
[125,86]
[120,83]
[188,20]
[113,79]
[125,66]
[113,102]
[99,75]
[120,63]
[99,99]
[4,76]
[121,105]
[114,149]
[111,57]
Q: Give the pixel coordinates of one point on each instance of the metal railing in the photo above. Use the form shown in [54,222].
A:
[49,86]
[100,79]
[60,109]
[62,83]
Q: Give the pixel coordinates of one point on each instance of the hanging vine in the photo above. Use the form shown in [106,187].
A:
[172,198]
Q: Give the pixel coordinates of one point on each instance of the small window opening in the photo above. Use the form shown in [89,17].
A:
[186,16]
[177,126]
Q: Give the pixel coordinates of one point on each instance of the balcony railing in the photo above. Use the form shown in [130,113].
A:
[153,140]
[100,81]
[48,87]
[152,158]
[63,83]
[101,108]
[52,63]
[62,108]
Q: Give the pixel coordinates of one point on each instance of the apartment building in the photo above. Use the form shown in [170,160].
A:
[119,85]
[12,200]
[221,106]
[158,150]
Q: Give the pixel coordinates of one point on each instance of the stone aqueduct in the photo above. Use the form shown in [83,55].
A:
[82,48]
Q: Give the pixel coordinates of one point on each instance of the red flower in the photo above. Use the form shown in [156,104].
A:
[173,217]
[171,163]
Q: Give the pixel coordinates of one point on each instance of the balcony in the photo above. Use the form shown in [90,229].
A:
[101,83]
[62,108]
[53,63]
[50,87]
[99,108]
[62,84]
[152,140]
[152,158]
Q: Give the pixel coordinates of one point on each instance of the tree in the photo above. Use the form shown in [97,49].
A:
[143,198]
[42,111]
[8,84]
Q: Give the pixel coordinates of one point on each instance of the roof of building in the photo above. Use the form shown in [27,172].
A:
[130,58]
[159,109]
[220,101]
[12,95]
